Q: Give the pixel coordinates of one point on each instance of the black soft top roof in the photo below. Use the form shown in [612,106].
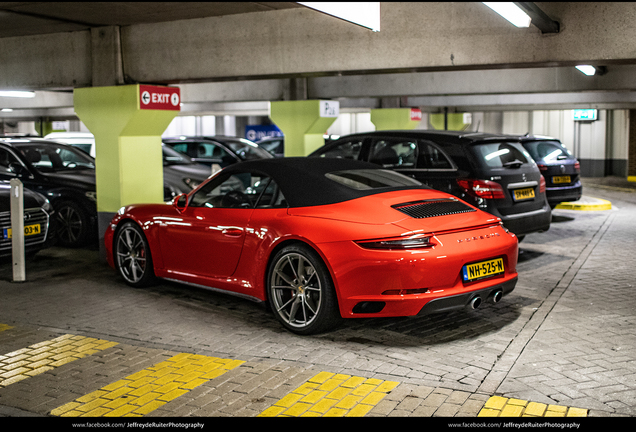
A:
[303,182]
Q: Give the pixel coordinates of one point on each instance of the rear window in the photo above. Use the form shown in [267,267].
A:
[501,154]
[372,179]
[548,151]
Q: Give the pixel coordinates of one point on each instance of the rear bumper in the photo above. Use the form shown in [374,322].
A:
[529,222]
[558,195]
[470,299]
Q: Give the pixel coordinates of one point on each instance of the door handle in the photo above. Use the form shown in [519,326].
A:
[232,232]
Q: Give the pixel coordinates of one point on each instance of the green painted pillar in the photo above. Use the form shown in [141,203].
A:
[455,121]
[303,123]
[127,122]
[395,118]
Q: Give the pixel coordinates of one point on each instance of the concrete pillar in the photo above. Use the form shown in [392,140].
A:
[449,121]
[127,122]
[303,122]
[631,155]
[395,118]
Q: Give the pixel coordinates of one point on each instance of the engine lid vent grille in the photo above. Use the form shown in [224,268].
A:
[432,208]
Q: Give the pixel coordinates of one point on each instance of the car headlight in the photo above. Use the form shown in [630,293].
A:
[91,195]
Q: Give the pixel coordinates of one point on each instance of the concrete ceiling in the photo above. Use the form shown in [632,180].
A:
[34,18]
[458,55]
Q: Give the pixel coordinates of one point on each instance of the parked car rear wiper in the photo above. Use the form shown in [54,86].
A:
[513,164]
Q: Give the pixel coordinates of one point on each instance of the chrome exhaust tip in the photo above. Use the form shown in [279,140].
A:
[475,302]
[497,296]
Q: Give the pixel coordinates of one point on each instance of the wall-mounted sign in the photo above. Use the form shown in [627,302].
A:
[258,132]
[585,114]
[416,114]
[329,108]
[159,98]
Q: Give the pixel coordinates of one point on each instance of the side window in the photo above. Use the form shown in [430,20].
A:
[181,148]
[238,190]
[394,153]
[344,150]
[431,157]
[209,150]
[272,197]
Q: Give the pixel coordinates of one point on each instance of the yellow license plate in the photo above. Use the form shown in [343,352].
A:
[28,230]
[561,179]
[523,194]
[482,269]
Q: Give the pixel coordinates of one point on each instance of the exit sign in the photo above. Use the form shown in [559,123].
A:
[585,114]
[159,98]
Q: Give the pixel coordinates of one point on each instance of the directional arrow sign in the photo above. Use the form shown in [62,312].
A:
[159,98]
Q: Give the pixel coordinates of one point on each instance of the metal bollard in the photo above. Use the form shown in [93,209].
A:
[17,230]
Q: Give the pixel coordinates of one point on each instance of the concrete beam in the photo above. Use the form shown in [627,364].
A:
[497,81]
[296,43]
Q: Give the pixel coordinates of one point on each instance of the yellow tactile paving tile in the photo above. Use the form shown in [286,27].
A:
[332,395]
[44,356]
[498,406]
[146,390]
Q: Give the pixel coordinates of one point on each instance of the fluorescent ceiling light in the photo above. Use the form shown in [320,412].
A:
[365,14]
[587,69]
[511,12]
[6,110]
[18,94]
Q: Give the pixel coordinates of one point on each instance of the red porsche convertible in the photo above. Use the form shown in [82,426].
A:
[320,240]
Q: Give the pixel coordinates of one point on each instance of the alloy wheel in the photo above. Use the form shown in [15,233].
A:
[296,290]
[131,253]
[71,225]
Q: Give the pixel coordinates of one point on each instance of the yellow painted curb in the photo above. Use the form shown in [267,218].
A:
[593,204]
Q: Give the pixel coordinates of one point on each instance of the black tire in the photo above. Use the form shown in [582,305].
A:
[73,224]
[300,291]
[131,254]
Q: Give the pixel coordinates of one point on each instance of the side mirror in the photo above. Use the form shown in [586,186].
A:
[180,202]
[18,169]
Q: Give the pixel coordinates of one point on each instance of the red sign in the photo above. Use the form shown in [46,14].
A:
[159,98]
[416,114]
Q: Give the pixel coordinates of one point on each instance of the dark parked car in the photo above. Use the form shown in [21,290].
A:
[63,174]
[217,150]
[275,145]
[38,218]
[492,172]
[180,173]
[559,167]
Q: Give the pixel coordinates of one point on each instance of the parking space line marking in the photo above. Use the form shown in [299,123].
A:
[145,391]
[44,356]
[498,406]
[332,395]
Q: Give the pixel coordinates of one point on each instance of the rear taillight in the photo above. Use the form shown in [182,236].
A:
[577,167]
[482,188]
[402,243]
[542,167]
[542,185]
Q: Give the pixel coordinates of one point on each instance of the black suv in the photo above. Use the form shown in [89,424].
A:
[559,167]
[492,172]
